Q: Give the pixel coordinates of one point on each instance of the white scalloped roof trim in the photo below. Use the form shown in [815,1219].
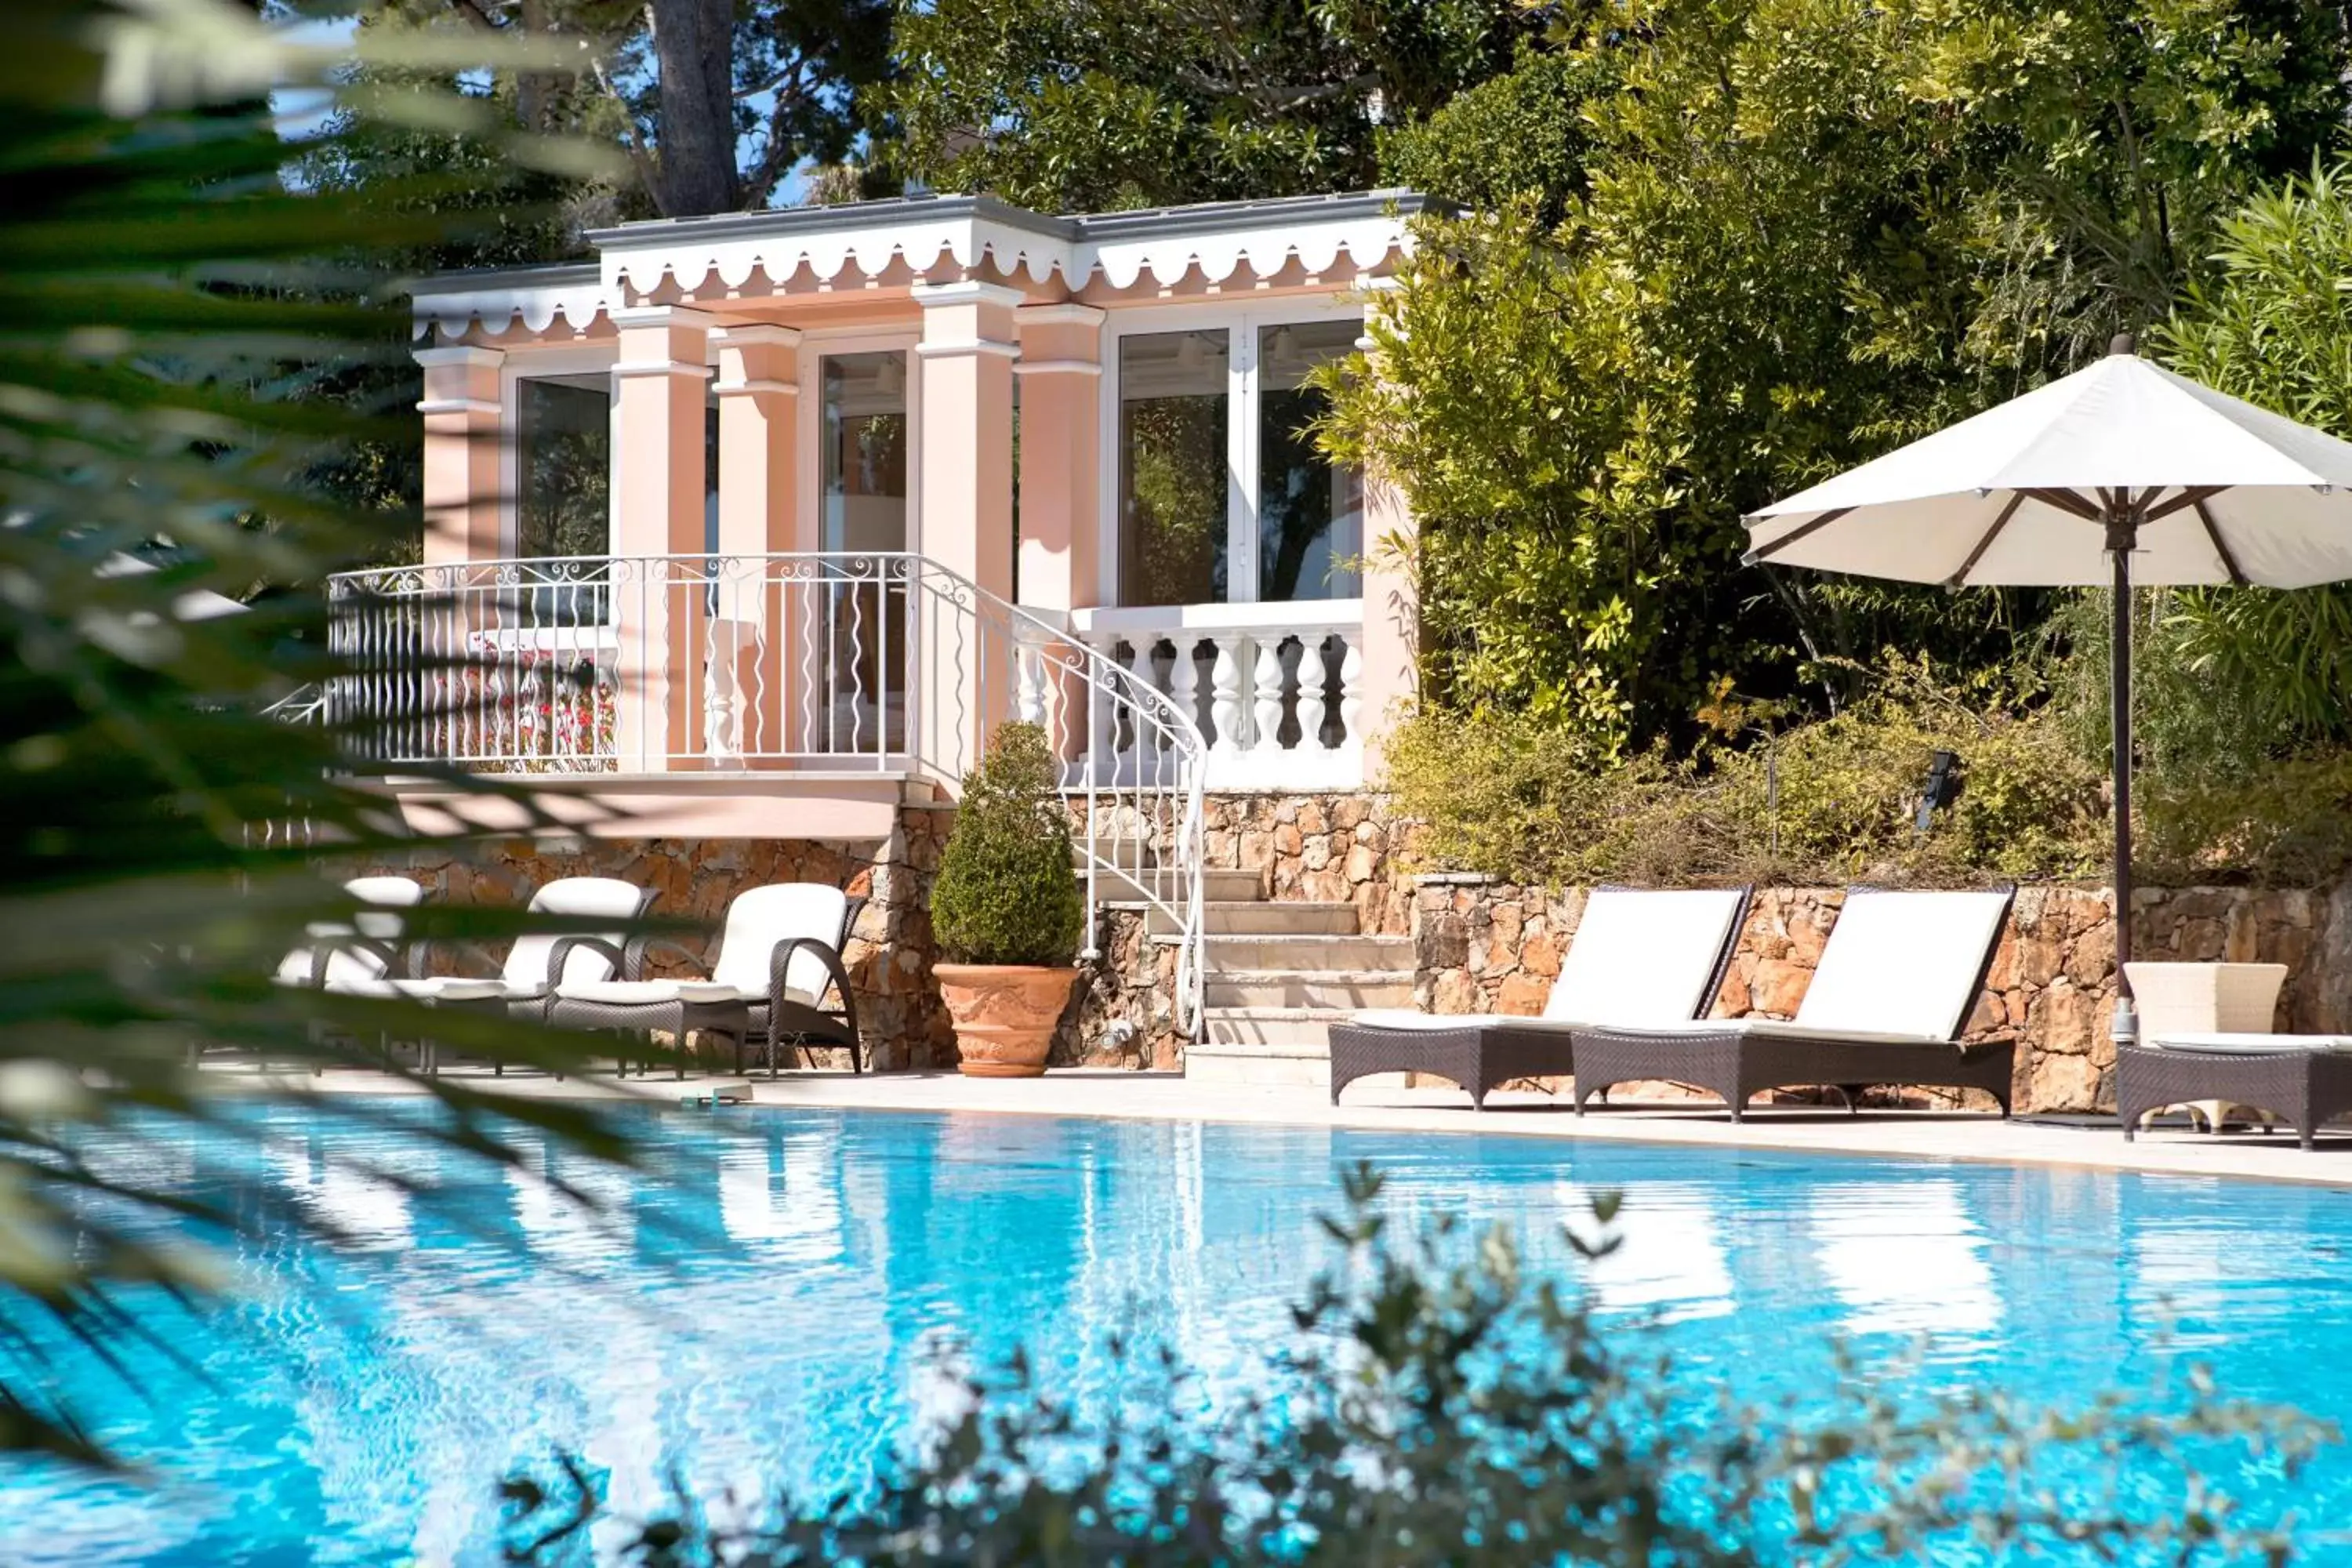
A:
[497,310]
[855,254]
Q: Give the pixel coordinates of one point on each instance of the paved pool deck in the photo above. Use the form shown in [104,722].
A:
[1924,1135]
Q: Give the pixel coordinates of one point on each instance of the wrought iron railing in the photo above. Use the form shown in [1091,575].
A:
[794,662]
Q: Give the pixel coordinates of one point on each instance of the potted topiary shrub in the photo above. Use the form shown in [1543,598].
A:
[1006,909]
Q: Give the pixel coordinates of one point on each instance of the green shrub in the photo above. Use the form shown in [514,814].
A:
[1824,802]
[1006,893]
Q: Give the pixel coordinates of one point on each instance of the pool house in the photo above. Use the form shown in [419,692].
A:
[751,529]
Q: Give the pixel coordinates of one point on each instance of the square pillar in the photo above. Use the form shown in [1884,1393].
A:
[965,516]
[657,518]
[463,443]
[759,602]
[1060,376]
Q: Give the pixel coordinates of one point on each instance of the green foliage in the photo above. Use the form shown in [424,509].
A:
[1005,892]
[1440,1405]
[2259,671]
[1825,802]
[165,294]
[1519,135]
[1805,231]
[1092,105]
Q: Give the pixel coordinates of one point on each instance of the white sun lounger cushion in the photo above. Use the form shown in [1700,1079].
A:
[431,988]
[1640,956]
[2248,1045]
[1902,965]
[588,898]
[349,967]
[758,920]
[648,993]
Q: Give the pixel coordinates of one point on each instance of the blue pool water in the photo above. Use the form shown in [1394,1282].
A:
[775,1312]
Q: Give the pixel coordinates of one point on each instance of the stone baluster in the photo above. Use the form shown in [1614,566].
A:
[1184,679]
[1351,694]
[1265,711]
[1225,695]
[1029,685]
[1139,668]
[1313,676]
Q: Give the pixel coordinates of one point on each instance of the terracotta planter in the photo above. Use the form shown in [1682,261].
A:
[1004,1015]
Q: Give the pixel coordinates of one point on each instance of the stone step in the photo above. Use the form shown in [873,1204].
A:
[1391,955]
[1335,991]
[1223,885]
[1304,1029]
[1260,918]
[1131,854]
[1257,1066]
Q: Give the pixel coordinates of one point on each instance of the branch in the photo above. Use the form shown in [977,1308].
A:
[1278,99]
[482,18]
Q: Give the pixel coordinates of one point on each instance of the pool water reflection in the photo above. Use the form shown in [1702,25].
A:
[774,1313]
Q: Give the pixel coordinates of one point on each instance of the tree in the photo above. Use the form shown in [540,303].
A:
[717,102]
[1797,233]
[1090,105]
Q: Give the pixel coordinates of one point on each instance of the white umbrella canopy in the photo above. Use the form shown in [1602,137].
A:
[2120,473]
[2019,495]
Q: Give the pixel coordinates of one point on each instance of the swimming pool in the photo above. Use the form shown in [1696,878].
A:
[776,1313]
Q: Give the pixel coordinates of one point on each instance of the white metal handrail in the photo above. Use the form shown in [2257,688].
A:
[763,663]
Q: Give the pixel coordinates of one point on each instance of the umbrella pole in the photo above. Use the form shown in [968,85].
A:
[2122,531]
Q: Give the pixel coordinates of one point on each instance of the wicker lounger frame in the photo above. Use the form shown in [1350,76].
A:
[1482,1057]
[2304,1089]
[1735,1064]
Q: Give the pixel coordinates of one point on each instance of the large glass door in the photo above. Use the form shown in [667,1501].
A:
[1221,496]
[864,602]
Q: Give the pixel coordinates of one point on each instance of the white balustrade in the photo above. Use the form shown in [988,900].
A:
[1282,708]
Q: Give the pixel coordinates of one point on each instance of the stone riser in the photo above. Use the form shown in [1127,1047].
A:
[1137,886]
[1290,1029]
[1339,991]
[1263,919]
[1386,955]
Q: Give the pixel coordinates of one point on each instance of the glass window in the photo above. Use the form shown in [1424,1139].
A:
[564,464]
[866,451]
[1173,468]
[864,488]
[1310,516]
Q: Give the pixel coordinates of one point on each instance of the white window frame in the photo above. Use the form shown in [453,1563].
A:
[1242,326]
[816,346]
[533,365]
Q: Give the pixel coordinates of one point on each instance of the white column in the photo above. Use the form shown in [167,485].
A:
[658,498]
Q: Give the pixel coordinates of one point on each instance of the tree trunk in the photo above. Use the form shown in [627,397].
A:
[694,45]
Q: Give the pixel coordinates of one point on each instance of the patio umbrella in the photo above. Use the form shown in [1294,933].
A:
[2121,473]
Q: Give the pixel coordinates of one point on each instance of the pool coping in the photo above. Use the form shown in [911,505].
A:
[1968,1137]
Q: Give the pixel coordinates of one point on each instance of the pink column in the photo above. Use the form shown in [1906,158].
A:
[964,513]
[759,601]
[461,410]
[657,512]
[1060,371]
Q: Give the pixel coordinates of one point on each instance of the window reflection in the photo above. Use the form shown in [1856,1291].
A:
[864,491]
[1173,469]
[1309,514]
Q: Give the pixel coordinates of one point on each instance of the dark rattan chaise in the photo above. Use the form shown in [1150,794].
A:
[526,980]
[2205,1043]
[779,954]
[1638,956]
[1896,984]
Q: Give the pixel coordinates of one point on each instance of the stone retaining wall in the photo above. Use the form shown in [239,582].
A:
[1488,946]
[1331,848]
